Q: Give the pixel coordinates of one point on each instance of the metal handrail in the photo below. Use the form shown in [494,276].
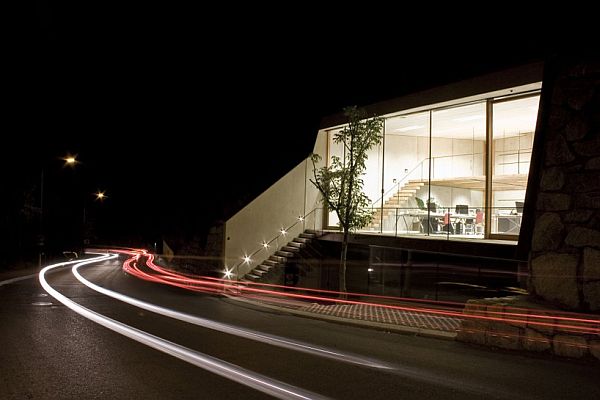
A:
[283,231]
[420,164]
[397,184]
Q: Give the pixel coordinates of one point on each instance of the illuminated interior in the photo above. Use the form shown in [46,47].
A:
[436,164]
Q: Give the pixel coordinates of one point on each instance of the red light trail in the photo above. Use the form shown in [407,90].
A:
[562,321]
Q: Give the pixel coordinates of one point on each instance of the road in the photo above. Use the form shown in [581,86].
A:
[48,351]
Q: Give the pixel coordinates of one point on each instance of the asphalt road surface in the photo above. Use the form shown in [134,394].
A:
[48,351]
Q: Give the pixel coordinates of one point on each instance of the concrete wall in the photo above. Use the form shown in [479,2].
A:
[507,161]
[402,153]
[565,239]
[456,157]
[278,207]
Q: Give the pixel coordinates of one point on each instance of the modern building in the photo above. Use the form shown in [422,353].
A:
[467,161]
[455,166]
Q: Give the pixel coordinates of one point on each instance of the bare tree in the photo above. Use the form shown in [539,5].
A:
[341,182]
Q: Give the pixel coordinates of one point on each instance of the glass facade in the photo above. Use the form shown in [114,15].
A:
[512,141]
[433,171]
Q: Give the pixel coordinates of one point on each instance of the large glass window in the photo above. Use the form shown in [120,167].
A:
[457,169]
[512,141]
[335,150]
[406,172]
[429,175]
[374,168]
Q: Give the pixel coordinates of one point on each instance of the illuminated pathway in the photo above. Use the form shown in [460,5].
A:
[213,347]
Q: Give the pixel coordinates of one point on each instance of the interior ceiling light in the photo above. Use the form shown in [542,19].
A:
[409,128]
[469,118]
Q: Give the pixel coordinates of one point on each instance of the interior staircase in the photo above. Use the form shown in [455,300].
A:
[272,269]
[398,200]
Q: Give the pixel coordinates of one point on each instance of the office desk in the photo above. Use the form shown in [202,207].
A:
[509,224]
[435,220]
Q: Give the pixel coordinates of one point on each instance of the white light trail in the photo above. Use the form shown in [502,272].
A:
[233,330]
[227,370]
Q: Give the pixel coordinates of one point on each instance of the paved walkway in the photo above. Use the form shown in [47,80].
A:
[386,316]
[365,315]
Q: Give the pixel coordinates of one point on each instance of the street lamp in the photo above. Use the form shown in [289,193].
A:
[100,195]
[70,161]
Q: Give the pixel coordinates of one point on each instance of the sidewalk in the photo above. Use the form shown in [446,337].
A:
[422,324]
[520,333]
[8,275]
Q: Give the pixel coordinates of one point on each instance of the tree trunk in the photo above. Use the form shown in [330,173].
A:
[343,263]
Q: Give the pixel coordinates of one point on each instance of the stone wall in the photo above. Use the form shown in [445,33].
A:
[564,258]
[508,324]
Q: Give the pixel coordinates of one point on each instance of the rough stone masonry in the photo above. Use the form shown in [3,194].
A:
[564,261]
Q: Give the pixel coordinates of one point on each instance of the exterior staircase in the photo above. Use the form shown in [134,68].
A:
[398,200]
[272,269]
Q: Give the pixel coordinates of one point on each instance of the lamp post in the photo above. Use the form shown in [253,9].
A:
[70,161]
[41,235]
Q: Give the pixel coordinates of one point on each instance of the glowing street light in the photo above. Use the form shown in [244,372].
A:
[70,160]
[100,195]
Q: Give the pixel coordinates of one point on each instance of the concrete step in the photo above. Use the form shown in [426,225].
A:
[301,240]
[314,232]
[270,262]
[290,249]
[388,212]
[307,235]
[264,267]
[395,201]
[278,259]
[259,272]
[297,245]
[402,204]
[252,277]
[282,253]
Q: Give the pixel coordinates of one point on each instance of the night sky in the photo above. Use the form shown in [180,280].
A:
[183,115]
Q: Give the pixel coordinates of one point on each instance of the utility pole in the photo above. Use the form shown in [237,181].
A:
[41,238]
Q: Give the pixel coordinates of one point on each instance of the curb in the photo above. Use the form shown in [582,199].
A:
[17,279]
[355,322]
